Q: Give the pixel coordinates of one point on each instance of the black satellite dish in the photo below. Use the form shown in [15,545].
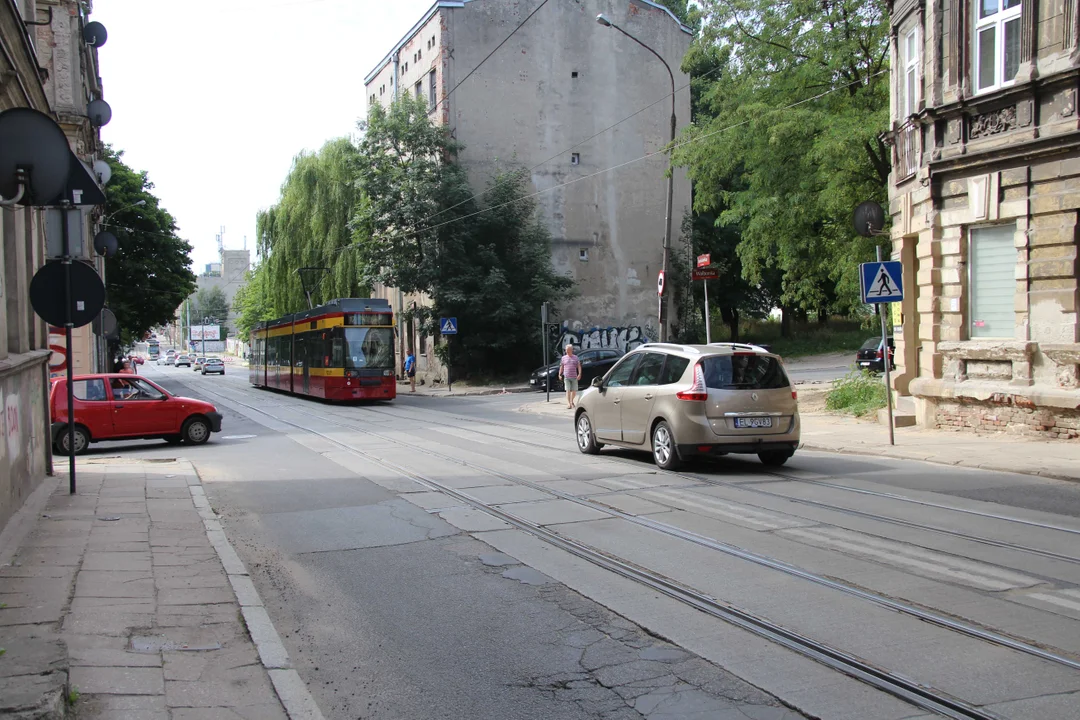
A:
[94,34]
[869,219]
[100,112]
[47,294]
[105,243]
[106,325]
[32,142]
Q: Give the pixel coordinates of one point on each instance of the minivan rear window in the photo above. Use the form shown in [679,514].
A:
[744,372]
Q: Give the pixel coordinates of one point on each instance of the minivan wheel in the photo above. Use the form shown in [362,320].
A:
[586,440]
[82,441]
[775,458]
[196,431]
[664,451]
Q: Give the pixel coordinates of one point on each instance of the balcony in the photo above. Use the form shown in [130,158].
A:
[906,163]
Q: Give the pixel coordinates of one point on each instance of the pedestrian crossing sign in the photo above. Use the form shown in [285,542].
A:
[448,326]
[882,282]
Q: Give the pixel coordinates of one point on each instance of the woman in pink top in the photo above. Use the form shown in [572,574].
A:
[569,372]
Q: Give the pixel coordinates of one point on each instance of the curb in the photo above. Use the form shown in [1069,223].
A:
[289,686]
[468,393]
[869,452]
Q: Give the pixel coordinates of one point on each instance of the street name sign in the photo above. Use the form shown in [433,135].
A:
[448,326]
[882,282]
[704,260]
[706,274]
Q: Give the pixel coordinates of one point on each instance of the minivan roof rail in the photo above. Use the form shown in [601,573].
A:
[674,346]
[742,346]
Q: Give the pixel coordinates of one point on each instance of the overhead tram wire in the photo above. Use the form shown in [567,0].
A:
[582,142]
[646,156]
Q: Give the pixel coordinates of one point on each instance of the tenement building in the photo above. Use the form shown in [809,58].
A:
[984,197]
[560,79]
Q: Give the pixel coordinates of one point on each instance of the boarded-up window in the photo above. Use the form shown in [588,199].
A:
[992,280]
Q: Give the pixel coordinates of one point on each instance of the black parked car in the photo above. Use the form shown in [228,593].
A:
[870,356]
[594,363]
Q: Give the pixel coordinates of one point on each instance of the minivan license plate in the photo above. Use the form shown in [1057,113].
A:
[754,422]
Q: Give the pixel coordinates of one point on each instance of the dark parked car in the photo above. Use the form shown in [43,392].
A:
[594,363]
[870,356]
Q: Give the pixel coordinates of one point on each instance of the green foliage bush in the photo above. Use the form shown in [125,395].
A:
[857,393]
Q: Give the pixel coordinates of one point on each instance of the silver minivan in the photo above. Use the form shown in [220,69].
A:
[682,401]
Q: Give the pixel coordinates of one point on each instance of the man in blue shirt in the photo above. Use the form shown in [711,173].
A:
[410,369]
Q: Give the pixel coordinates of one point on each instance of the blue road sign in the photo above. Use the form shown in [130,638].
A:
[448,326]
[882,282]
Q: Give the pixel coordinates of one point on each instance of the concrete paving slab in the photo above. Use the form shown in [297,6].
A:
[128,707]
[506,494]
[128,561]
[472,520]
[118,680]
[554,512]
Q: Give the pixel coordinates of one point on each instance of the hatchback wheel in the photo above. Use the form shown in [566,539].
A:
[774,458]
[664,451]
[586,440]
[196,431]
[82,441]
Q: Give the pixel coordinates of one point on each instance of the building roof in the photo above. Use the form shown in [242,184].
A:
[461,3]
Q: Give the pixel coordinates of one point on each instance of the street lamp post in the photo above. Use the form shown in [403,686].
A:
[663,319]
[206,321]
[109,217]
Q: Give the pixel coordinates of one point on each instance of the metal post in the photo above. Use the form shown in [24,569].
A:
[68,326]
[708,325]
[543,334]
[449,364]
[665,302]
[882,307]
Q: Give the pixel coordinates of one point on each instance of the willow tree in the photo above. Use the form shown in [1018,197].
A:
[309,228]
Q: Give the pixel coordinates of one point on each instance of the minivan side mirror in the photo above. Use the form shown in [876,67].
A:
[598,382]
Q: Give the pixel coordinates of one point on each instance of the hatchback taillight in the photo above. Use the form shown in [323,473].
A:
[879,355]
[696,392]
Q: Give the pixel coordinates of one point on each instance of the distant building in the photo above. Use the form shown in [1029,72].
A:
[229,276]
[560,79]
[984,197]
[213,269]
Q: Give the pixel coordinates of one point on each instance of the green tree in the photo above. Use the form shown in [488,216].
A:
[252,301]
[787,142]
[150,275]
[309,228]
[210,302]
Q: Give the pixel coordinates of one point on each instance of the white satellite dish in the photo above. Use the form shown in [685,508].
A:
[103,171]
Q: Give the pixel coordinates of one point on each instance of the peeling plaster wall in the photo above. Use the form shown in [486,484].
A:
[23,439]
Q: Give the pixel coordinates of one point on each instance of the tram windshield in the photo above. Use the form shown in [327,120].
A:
[368,348]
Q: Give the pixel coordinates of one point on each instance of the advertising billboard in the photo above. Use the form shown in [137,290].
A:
[205,332]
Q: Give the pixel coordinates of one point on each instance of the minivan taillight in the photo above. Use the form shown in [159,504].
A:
[697,392]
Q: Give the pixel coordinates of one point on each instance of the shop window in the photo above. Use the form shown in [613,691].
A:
[995,56]
[992,282]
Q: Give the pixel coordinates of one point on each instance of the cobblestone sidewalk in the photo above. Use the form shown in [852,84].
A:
[126,600]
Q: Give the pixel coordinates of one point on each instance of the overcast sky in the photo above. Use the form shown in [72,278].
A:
[214,98]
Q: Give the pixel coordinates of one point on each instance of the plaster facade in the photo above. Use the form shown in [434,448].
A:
[558,81]
[984,198]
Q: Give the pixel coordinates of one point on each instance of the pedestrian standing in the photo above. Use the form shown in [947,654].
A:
[410,369]
[569,372]
[126,368]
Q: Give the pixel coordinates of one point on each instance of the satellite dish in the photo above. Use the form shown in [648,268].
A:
[105,243]
[95,34]
[103,171]
[106,325]
[100,113]
[869,219]
[31,141]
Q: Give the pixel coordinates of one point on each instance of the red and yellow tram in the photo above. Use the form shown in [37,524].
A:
[340,351]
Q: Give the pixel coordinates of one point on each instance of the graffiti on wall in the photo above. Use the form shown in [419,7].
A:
[623,339]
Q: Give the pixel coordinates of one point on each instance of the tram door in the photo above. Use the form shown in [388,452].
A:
[302,362]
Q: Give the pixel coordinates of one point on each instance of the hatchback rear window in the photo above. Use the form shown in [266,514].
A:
[871,344]
[744,372]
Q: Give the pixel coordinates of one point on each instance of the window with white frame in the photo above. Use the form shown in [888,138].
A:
[995,59]
[911,72]
[992,282]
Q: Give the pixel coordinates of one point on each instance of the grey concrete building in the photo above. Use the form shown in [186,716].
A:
[229,275]
[561,79]
[984,198]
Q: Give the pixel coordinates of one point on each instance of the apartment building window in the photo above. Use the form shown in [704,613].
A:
[996,58]
[575,158]
[432,86]
[419,89]
[992,282]
[911,73]
[583,254]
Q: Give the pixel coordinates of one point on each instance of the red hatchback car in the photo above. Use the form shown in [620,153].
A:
[124,406]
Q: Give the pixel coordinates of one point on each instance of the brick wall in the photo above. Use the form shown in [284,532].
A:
[1008,414]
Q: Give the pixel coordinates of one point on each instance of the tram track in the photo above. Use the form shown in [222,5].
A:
[918,694]
[791,498]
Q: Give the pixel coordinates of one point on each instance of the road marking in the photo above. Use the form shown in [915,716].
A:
[718,508]
[1065,602]
[889,552]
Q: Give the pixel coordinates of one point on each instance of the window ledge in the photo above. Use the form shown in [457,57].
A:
[1017,353]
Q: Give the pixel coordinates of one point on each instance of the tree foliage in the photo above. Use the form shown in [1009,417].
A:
[150,275]
[786,138]
[309,228]
[252,301]
[210,302]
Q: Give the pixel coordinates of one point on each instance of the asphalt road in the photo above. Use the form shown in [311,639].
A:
[400,600]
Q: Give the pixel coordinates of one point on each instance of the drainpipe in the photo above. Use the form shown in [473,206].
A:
[396,59]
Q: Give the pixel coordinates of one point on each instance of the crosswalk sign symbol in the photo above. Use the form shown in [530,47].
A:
[882,282]
[448,326]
